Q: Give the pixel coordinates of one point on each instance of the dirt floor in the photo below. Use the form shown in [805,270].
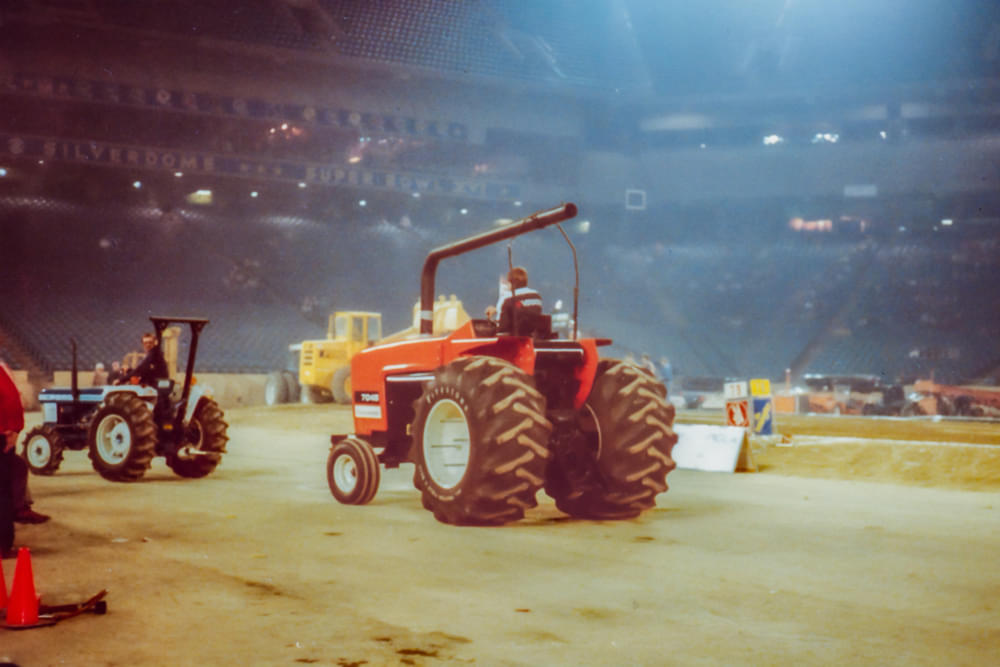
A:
[259,565]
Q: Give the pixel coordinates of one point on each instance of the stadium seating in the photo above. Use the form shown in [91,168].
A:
[490,38]
[896,309]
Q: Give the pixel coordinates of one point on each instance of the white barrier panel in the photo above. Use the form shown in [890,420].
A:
[707,447]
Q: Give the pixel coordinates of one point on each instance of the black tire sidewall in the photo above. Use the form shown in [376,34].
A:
[204,416]
[606,492]
[366,465]
[127,468]
[505,416]
[346,497]
[433,396]
[55,450]
[609,424]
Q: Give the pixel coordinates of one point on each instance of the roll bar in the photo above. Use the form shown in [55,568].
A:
[537,220]
[196,324]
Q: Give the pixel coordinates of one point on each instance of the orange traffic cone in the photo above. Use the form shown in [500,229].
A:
[22,607]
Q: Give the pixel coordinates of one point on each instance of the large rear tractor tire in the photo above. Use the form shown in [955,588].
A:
[353,472]
[481,440]
[122,438]
[275,389]
[340,385]
[43,450]
[204,442]
[620,456]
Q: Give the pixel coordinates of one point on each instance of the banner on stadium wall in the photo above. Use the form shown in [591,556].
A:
[100,153]
[121,94]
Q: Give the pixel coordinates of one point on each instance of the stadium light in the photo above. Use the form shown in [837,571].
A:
[3,171]
[202,196]
[826,137]
[137,184]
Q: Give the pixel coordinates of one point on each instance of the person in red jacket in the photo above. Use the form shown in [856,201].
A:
[11,423]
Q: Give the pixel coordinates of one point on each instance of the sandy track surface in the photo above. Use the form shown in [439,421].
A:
[257,564]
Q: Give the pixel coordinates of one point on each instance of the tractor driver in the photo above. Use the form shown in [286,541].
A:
[153,366]
[519,312]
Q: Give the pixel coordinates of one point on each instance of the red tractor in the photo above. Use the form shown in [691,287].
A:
[491,418]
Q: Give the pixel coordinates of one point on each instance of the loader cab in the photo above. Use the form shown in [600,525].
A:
[356,328]
[324,364]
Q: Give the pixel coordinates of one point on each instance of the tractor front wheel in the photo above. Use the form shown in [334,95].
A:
[122,438]
[481,442]
[617,462]
[353,472]
[43,450]
[204,442]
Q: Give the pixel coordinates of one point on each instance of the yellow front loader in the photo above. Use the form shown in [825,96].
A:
[324,365]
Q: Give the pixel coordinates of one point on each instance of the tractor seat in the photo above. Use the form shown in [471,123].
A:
[542,327]
[537,326]
[484,328]
[533,325]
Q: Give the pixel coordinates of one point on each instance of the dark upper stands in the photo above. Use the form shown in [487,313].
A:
[899,309]
[80,276]
[488,38]
[889,307]
[927,307]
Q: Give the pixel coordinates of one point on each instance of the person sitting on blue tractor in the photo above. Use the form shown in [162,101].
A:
[153,366]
